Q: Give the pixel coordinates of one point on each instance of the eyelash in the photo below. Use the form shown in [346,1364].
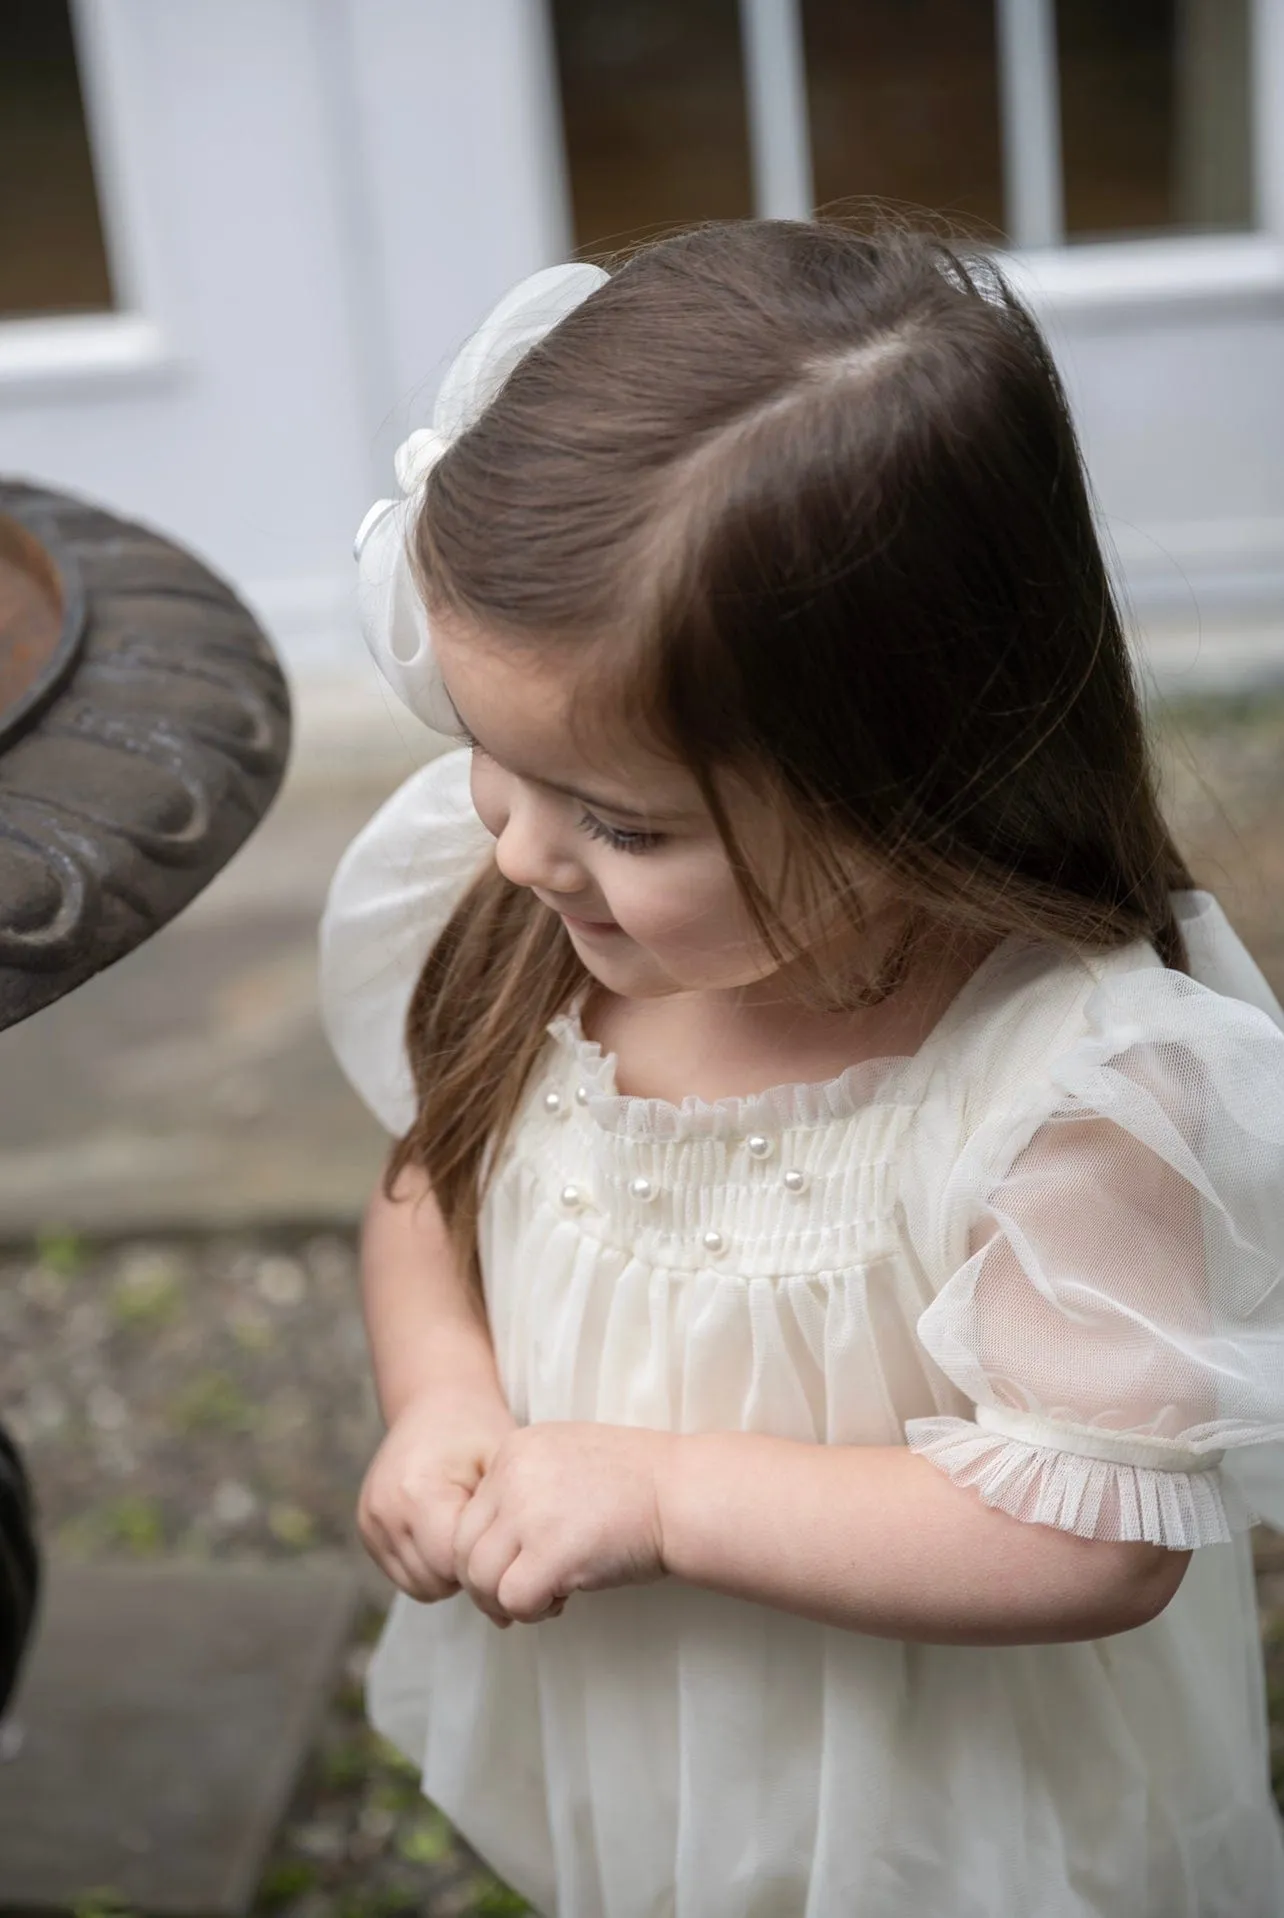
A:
[621,841]
[596,828]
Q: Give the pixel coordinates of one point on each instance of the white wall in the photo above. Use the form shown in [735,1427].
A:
[310,203]
[1173,356]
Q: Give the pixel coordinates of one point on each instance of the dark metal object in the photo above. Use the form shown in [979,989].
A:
[144,730]
[148,741]
[42,625]
[20,1569]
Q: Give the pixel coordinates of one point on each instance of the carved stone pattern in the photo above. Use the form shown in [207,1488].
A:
[151,767]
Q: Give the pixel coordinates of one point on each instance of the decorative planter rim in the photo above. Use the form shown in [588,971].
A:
[149,745]
[29,535]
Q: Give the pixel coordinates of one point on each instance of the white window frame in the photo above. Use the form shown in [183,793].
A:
[1111,274]
[134,342]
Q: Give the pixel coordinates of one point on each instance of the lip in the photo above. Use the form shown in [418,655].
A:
[589,926]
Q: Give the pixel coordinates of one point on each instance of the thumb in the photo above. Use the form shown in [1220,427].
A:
[435,1525]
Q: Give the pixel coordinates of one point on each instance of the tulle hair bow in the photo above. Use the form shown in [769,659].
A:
[393,620]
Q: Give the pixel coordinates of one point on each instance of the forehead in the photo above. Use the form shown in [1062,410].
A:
[526,706]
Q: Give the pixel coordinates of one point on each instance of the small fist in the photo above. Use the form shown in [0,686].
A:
[562,1508]
[422,1477]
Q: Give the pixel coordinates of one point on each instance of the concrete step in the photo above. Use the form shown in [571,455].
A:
[165,1716]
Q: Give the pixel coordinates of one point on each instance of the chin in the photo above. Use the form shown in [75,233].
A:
[630,975]
[641,976]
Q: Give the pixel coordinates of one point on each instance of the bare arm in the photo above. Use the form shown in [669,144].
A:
[426,1327]
[438,1386]
[877,1539]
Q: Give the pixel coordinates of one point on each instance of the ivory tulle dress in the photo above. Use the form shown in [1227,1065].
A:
[1110,1361]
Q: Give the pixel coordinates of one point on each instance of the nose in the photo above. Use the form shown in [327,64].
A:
[531,850]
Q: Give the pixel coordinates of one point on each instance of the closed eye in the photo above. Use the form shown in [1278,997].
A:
[622,841]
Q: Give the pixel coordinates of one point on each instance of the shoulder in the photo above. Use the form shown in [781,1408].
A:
[1037,1015]
[1028,1006]
[392,893]
[1175,1060]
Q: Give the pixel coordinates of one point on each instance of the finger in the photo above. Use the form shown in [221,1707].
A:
[430,1582]
[396,1554]
[402,1575]
[404,1579]
[489,1559]
[527,1590]
[476,1517]
[431,1538]
[378,1543]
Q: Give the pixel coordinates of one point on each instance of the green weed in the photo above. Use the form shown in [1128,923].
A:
[146,1299]
[490,1899]
[61,1251]
[283,1882]
[133,1523]
[100,1901]
[428,1841]
[290,1525]
[211,1402]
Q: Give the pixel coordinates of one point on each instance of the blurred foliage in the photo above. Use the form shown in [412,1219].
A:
[61,1251]
[146,1296]
[102,1902]
[212,1402]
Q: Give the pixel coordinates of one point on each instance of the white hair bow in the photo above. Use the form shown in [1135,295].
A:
[393,619]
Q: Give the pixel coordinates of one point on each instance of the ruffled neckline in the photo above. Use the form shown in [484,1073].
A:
[825,1101]
[796,1104]
[793,1104]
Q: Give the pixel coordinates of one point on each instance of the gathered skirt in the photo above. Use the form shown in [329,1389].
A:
[667,1752]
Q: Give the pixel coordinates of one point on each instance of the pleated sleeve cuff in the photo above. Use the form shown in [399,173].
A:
[1183,1502]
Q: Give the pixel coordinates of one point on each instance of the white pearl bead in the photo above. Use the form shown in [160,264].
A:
[571,1197]
[581,1095]
[759,1145]
[713,1242]
[795,1181]
[552,1102]
[641,1188]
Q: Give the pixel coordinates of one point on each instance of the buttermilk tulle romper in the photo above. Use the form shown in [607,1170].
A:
[1110,1361]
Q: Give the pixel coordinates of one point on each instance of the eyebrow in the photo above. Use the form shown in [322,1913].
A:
[597,802]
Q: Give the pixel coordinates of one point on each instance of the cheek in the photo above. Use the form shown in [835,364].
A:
[680,903]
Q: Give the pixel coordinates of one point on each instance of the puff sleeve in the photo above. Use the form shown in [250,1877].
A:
[392,893]
[1117,1317]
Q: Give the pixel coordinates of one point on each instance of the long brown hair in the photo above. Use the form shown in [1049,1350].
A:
[807,501]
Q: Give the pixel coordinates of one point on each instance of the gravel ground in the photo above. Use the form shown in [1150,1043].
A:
[206,1395]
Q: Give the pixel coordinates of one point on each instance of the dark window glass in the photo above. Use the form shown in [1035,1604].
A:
[1155,119]
[52,256]
[653,103]
[904,105]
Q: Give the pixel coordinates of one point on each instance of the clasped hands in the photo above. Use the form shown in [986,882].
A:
[460,1497]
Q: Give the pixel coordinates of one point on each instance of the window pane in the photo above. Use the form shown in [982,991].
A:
[904,105]
[52,257]
[1155,117]
[653,101]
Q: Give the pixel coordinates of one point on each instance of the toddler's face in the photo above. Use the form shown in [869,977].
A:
[620,844]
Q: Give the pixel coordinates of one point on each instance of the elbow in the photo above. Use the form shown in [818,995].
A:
[1127,1586]
[1144,1584]
[1158,1582]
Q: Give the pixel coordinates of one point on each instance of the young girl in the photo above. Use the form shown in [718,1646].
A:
[827,1290]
